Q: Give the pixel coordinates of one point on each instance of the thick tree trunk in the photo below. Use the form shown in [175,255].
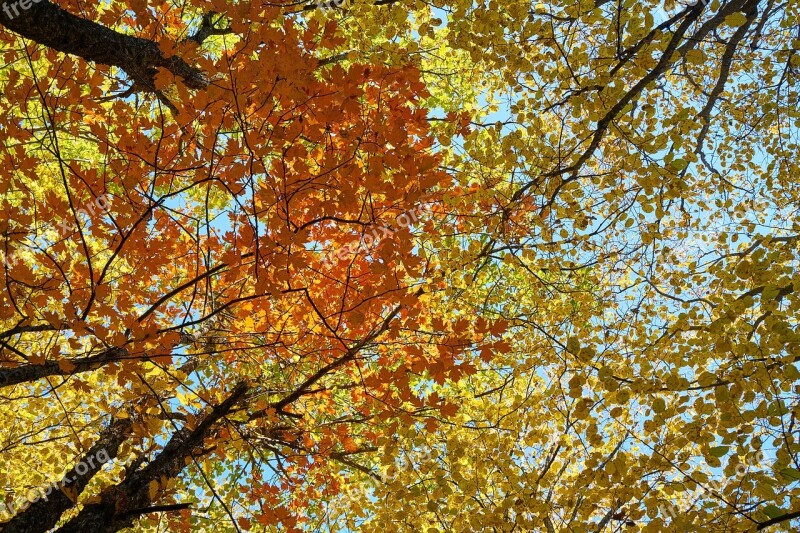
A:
[44,514]
[28,372]
[51,26]
[121,504]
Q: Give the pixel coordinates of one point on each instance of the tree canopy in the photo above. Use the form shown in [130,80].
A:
[400,265]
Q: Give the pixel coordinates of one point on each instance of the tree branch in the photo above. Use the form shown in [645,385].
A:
[45,513]
[778,520]
[120,504]
[30,372]
[49,25]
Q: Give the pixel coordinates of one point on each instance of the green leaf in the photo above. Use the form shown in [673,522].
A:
[772,511]
[719,451]
[792,474]
[776,408]
[679,164]
[735,20]
[659,406]
[790,372]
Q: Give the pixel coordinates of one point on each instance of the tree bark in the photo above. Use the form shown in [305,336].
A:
[52,26]
[44,514]
[121,504]
[29,372]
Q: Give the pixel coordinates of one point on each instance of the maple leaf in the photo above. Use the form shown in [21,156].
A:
[485,245]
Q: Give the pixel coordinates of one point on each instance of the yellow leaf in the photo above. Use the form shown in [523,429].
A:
[695,57]
[735,20]
[659,406]
[152,490]
[66,365]
[71,492]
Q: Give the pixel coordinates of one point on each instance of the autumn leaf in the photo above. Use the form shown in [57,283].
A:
[538,261]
